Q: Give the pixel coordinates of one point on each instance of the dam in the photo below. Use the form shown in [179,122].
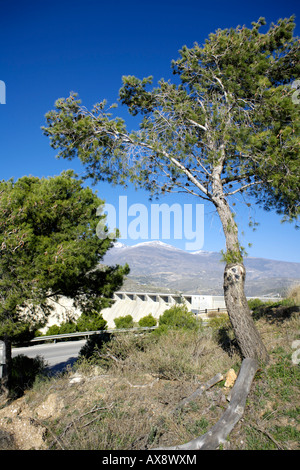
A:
[140,304]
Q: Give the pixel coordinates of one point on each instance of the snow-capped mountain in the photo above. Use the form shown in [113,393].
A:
[157,265]
[119,245]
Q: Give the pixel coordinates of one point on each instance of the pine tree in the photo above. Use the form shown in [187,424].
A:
[49,248]
[227,126]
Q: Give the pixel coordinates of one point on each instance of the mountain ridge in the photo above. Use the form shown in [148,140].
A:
[161,266]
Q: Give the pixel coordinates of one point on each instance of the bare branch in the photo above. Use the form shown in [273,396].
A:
[217,378]
[242,188]
[197,124]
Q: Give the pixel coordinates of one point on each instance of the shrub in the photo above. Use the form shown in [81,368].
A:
[177,317]
[53,330]
[254,303]
[67,327]
[124,322]
[93,345]
[223,334]
[222,321]
[148,321]
[92,322]
[24,372]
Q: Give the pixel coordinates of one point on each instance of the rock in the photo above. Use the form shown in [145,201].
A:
[16,420]
[51,408]
[230,378]
[76,379]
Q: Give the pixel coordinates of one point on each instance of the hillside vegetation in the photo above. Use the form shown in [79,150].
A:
[124,391]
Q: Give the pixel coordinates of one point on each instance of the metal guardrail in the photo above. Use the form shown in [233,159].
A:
[89,333]
[115,330]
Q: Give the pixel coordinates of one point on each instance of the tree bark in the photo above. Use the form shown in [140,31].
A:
[247,336]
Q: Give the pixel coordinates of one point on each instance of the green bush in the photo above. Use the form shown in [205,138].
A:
[177,317]
[124,322]
[109,349]
[92,322]
[53,330]
[93,346]
[148,321]
[24,372]
[223,333]
[254,303]
[67,327]
[221,321]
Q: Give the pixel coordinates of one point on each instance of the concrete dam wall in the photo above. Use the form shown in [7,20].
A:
[139,305]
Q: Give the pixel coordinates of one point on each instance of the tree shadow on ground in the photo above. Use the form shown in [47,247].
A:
[275,313]
[61,366]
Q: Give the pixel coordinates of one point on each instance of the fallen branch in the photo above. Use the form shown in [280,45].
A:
[210,383]
[219,432]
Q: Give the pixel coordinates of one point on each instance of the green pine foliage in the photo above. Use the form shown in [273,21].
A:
[49,248]
[229,115]
[226,129]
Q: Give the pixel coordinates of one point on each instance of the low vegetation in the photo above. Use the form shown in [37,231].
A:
[92,322]
[125,388]
[148,321]
[124,322]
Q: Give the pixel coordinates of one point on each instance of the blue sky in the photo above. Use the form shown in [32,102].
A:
[48,49]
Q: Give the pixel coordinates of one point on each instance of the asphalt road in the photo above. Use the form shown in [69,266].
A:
[57,355]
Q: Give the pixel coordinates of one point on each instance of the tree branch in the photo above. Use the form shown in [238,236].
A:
[219,432]
[197,124]
[217,378]
[242,188]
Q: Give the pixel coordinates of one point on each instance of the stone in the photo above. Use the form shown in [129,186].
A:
[16,421]
[230,378]
[75,379]
[50,408]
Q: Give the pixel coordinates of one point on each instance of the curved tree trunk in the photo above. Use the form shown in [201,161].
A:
[218,433]
[247,336]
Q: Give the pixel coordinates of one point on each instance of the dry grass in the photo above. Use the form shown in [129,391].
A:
[271,420]
[127,400]
[294,294]
[127,391]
